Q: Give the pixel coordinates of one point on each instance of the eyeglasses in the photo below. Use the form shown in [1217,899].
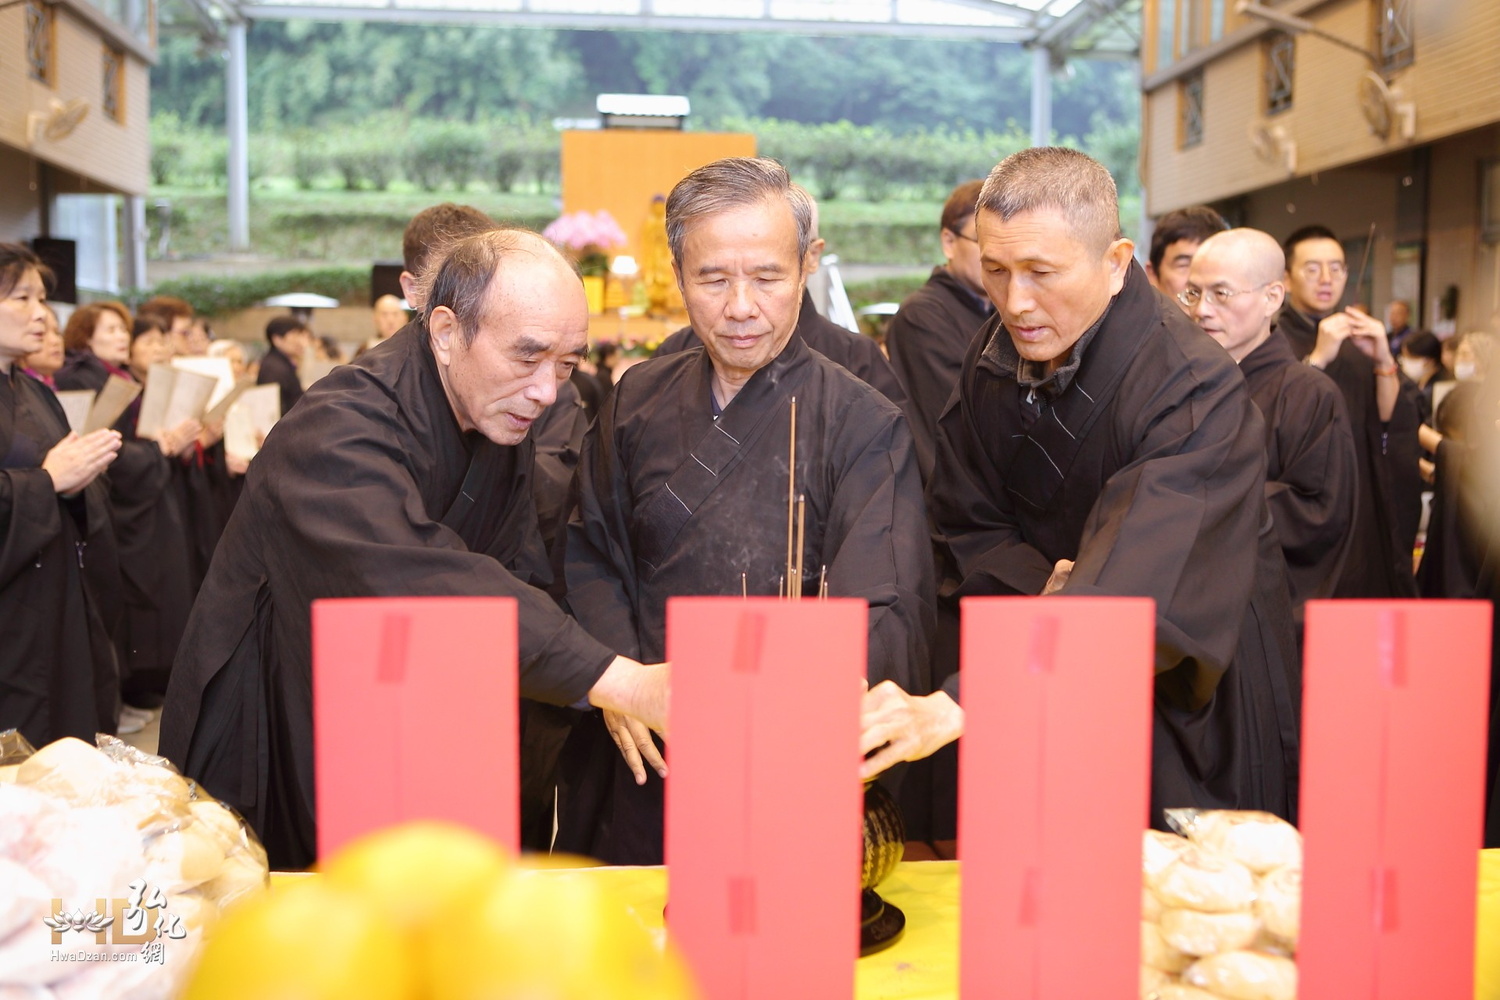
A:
[964,236]
[1218,295]
[1312,269]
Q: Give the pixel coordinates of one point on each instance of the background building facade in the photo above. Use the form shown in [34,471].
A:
[1385,112]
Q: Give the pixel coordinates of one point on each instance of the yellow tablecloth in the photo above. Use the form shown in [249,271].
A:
[923,964]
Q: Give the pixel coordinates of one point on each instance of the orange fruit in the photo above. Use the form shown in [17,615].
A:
[551,935]
[311,942]
[417,873]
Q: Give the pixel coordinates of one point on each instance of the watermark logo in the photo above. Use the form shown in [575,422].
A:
[130,923]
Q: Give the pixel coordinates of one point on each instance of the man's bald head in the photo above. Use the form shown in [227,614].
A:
[1257,256]
[474,271]
[1235,288]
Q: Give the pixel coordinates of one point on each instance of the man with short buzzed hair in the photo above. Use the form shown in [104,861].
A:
[1100,445]
[1352,347]
[1175,238]
[1235,289]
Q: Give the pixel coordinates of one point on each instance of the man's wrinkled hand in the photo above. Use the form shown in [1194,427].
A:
[633,738]
[1059,577]
[903,727]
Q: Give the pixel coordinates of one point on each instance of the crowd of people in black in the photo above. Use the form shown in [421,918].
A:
[1377,442]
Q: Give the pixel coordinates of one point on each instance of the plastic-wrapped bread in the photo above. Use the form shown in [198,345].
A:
[1158,954]
[185,858]
[1180,991]
[1279,905]
[1258,840]
[1245,975]
[1158,850]
[24,899]
[21,809]
[71,770]
[1194,933]
[1152,980]
[1151,907]
[1204,880]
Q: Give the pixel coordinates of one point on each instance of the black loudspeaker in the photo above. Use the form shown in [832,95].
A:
[385,279]
[61,257]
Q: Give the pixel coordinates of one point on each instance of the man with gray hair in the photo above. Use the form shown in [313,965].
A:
[1098,444]
[683,486]
[406,473]
[856,352]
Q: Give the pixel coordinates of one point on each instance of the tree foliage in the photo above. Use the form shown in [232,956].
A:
[313,74]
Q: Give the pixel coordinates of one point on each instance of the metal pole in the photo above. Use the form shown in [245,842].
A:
[1041,96]
[236,119]
[134,216]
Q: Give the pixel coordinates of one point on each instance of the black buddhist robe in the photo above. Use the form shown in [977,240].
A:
[1379,561]
[1147,469]
[58,673]
[366,489]
[1312,477]
[927,340]
[280,369]
[673,501]
[859,354]
[157,581]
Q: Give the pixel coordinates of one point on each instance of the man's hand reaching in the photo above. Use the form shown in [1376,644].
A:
[636,745]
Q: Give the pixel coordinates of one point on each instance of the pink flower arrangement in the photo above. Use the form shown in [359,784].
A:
[586,232]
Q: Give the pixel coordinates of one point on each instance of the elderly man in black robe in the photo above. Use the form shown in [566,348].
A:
[1234,291]
[1351,346]
[406,473]
[858,353]
[1100,445]
[684,485]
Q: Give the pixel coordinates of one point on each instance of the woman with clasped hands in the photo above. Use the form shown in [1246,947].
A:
[59,578]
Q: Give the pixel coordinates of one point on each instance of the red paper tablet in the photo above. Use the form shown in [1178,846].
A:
[764,799]
[414,715]
[1393,762]
[1054,791]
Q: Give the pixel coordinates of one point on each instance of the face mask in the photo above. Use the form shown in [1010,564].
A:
[1464,371]
[1414,368]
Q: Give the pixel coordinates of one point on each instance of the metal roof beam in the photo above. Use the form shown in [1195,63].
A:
[631,22]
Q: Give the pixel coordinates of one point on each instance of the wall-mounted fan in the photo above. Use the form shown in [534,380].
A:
[57,122]
[1386,108]
[1272,144]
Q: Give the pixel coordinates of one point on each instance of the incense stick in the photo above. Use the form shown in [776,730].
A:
[1360,277]
[801,544]
[791,496]
[744,585]
[823,584]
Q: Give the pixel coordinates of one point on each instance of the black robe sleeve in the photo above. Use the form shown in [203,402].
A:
[1312,488]
[358,526]
[600,563]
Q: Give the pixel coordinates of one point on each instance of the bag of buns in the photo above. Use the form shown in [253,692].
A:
[1279,905]
[1205,880]
[1194,933]
[1245,975]
[1258,840]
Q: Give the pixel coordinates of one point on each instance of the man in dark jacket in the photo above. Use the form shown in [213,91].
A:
[1100,445]
[288,337]
[930,334]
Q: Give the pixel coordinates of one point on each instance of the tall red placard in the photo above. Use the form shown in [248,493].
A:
[1054,792]
[414,715]
[763,798]
[1393,758]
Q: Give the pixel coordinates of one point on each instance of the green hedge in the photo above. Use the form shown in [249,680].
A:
[216,296]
